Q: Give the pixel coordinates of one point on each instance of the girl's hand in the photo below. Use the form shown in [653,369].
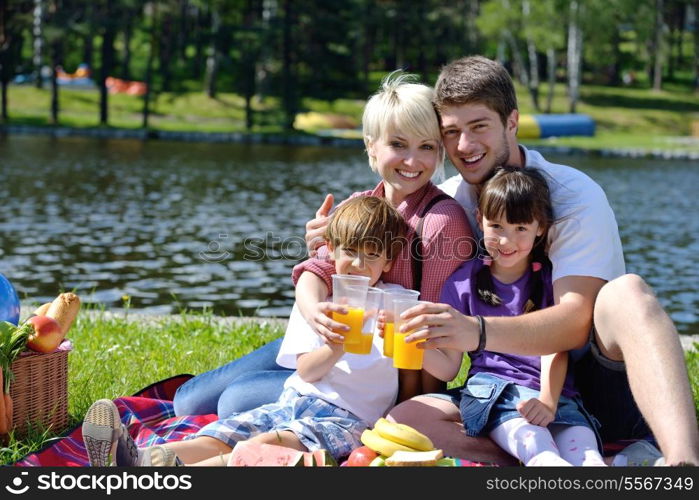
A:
[315,228]
[441,326]
[536,412]
[323,324]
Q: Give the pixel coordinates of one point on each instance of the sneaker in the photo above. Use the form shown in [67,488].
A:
[107,440]
[640,453]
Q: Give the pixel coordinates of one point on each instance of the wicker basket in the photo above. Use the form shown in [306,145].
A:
[39,391]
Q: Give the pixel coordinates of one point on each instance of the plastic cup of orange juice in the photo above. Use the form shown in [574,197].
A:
[405,355]
[372,307]
[389,296]
[350,291]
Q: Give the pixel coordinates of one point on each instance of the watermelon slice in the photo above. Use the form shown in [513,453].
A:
[251,454]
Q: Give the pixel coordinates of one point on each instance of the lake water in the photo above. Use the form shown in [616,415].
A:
[220,226]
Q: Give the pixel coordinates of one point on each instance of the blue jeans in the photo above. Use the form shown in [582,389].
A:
[243,384]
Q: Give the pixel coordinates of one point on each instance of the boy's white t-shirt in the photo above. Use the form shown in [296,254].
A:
[585,239]
[365,384]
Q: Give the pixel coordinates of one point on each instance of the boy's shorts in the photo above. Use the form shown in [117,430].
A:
[318,424]
[605,391]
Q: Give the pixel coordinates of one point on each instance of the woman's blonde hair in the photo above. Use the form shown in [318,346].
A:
[403,106]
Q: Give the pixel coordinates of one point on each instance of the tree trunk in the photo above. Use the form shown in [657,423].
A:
[659,49]
[471,29]
[369,27]
[615,74]
[574,55]
[107,60]
[3,90]
[55,60]
[126,51]
[5,55]
[212,59]
[166,52]
[249,57]
[533,59]
[288,76]
[149,64]
[518,67]
[37,31]
[696,47]
[551,70]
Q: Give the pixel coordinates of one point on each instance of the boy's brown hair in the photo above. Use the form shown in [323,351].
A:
[368,222]
[476,79]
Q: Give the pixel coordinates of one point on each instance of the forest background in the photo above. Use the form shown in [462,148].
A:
[278,66]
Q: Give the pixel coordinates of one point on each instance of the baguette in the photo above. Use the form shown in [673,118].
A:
[41,310]
[414,458]
[64,309]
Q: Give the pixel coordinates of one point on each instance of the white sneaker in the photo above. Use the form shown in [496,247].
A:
[641,453]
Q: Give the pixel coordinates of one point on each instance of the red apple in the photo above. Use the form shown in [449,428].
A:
[361,457]
[47,334]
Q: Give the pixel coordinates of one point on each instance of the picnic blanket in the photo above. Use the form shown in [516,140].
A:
[150,418]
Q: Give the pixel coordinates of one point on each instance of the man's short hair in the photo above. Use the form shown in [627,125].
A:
[476,79]
[368,222]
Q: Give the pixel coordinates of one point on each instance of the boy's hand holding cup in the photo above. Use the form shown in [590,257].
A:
[350,291]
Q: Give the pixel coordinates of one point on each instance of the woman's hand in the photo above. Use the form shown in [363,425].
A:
[536,412]
[441,326]
[315,228]
[321,321]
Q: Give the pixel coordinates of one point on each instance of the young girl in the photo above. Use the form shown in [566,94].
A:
[527,405]
[403,141]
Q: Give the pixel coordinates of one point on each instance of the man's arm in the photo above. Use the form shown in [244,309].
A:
[561,327]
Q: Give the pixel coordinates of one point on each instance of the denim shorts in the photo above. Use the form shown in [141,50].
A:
[604,388]
[487,401]
[317,423]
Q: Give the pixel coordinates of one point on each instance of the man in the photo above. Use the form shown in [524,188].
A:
[629,364]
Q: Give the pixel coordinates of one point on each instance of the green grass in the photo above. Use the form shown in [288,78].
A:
[626,117]
[117,356]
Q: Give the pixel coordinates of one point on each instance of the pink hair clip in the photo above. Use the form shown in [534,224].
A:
[487,261]
[536,266]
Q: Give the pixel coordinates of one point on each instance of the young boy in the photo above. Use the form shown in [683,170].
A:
[330,399]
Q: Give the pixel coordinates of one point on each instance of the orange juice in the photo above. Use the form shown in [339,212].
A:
[388,340]
[364,346]
[354,319]
[406,356]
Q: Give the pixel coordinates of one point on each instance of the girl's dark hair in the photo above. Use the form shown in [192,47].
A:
[520,196]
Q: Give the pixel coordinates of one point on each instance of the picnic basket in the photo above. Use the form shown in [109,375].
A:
[39,391]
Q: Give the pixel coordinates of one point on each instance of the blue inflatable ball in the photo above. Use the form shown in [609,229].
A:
[9,302]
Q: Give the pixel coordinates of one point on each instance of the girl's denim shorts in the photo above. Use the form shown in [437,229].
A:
[486,401]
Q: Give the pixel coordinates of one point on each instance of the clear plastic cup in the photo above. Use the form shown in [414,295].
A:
[389,297]
[405,355]
[372,306]
[350,291]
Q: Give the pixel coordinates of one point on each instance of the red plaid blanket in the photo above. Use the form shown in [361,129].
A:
[150,418]
[148,415]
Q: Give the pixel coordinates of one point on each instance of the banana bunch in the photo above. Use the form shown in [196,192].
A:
[386,438]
